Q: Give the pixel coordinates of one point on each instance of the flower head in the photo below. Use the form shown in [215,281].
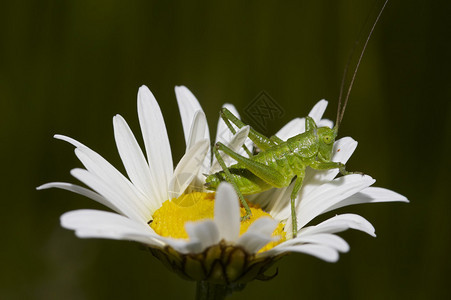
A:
[200,235]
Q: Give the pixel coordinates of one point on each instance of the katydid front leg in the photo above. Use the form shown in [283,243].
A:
[327,165]
[294,194]
[276,139]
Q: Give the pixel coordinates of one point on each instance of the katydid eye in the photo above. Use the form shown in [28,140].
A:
[327,139]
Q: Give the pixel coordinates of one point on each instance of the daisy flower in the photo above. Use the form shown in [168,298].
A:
[198,234]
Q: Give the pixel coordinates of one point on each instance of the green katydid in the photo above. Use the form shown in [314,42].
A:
[280,162]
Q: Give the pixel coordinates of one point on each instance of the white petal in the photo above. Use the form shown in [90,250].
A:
[235,144]
[188,106]
[275,201]
[325,123]
[100,167]
[343,149]
[118,197]
[263,225]
[188,168]
[292,128]
[100,224]
[156,141]
[318,110]
[322,252]
[183,246]
[69,140]
[371,195]
[258,235]
[227,212]
[197,133]
[79,190]
[328,195]
[197,130]
[134,161]
[341,223]
[195,126]
[205,232]
[239,137]
[325,239]
[117,182]
[253,242]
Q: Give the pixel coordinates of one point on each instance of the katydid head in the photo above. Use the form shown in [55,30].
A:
[326,139]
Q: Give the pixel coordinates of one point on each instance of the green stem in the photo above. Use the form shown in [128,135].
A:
[210,291]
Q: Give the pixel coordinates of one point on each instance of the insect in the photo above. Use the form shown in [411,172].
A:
[281,162]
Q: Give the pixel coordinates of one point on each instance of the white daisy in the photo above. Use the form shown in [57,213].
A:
[197,237]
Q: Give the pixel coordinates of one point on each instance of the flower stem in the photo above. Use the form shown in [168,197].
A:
[209,291]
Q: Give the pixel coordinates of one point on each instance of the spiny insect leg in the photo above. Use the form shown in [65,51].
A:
[319,165]
[233,131]
[264,172]
[310,124]
[275,139]
[294,194]
[259,139]
[232,181]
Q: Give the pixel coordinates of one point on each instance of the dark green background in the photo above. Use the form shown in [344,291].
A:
[69,66]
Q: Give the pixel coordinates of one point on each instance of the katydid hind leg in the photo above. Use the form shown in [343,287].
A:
[310,124]
[232,181]
[262,171]
[256,137]
[232,130]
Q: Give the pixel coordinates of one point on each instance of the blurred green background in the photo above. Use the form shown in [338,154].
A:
[68,66]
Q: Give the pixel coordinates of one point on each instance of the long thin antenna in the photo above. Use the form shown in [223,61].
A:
[341,109]
[343,79]
[348,63]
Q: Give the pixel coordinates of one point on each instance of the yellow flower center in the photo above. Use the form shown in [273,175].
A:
[169,220]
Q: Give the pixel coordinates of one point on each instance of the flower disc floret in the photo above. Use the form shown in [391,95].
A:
[170,219]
